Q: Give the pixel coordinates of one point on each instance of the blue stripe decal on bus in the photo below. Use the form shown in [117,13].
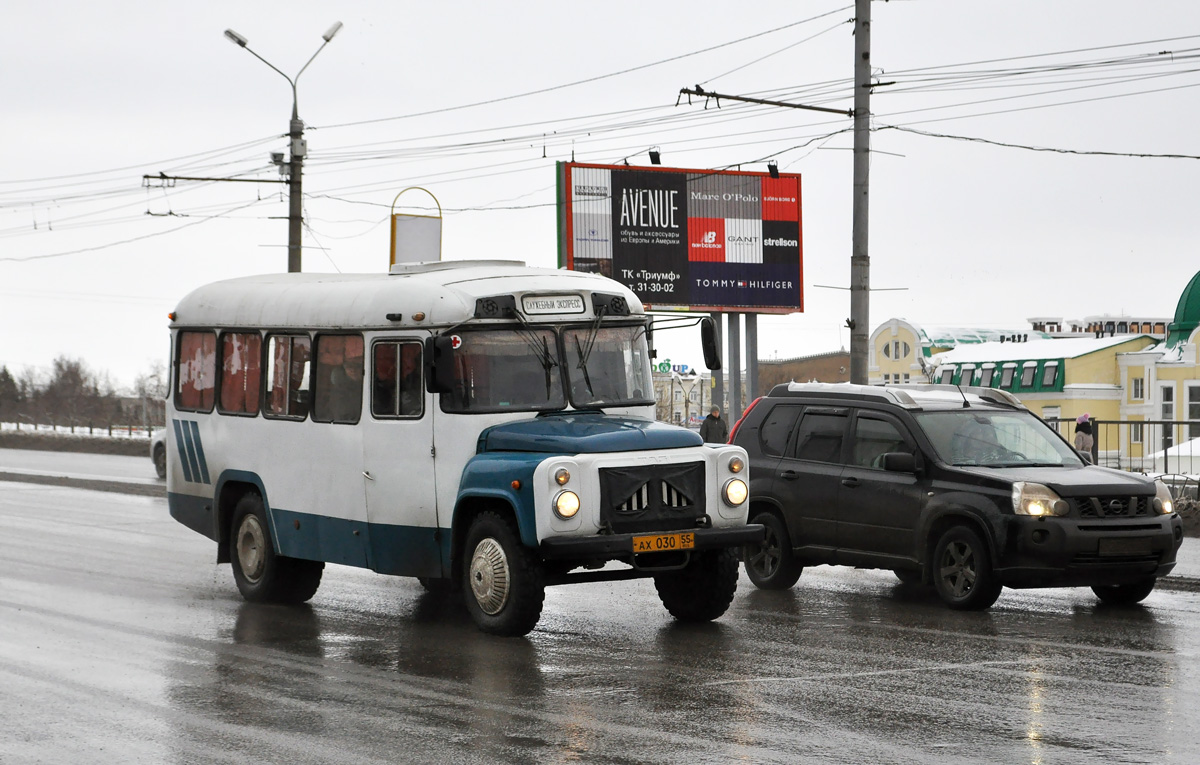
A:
[191,451]
[199,450]
[179,445]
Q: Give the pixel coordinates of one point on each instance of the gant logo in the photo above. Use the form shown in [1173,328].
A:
[191,451]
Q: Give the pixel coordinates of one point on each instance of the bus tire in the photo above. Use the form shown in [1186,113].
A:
[262,575]
[702,590]
[503,582]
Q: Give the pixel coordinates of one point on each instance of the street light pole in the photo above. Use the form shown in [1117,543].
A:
[297,148]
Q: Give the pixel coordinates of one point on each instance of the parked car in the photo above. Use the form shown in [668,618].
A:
[158,451]
[960,488]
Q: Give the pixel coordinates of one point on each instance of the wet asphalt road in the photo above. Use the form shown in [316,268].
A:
[122,641]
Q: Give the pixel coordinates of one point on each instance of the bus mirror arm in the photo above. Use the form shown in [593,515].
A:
[439,371]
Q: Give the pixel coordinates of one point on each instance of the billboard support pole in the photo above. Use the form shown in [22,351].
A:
[735,367]
[860,262]
[751,357]
[718,375]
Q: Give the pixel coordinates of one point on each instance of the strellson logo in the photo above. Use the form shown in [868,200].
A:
[781,242]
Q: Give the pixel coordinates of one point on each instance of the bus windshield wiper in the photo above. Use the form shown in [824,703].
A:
[582,365]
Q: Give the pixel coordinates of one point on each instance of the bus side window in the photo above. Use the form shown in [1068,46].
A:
[338,383]
[287,376]
[196,371]
[241,372]
[396,388]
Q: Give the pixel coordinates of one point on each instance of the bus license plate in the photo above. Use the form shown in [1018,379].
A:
[684,540]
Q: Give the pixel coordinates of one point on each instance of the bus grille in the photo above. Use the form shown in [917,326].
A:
[652,498]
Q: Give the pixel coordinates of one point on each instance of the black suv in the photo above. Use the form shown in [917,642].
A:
[961,488]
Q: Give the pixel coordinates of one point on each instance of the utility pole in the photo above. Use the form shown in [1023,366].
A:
[860,263]
[297,150]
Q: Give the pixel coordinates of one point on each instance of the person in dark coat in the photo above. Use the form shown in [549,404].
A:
[1083,433]
[714,430]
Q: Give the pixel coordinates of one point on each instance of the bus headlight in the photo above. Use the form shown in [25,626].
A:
[1164,503]
[1036,499]
[736,465]
[566,504]
[735,492]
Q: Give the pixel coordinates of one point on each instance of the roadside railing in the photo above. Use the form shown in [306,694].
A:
[1145,446]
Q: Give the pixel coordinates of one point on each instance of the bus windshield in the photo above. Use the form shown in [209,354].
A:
[519,369]
[607,367]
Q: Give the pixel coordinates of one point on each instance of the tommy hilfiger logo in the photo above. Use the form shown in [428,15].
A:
[191,451]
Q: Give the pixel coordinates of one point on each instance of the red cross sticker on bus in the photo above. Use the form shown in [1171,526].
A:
[455,342]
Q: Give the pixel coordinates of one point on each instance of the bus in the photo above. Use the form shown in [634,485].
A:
[482,426]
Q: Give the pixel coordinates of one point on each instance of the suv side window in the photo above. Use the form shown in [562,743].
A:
[874,437]
[776,428]
[819,436]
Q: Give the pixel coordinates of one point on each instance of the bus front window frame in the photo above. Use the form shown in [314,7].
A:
[561,378]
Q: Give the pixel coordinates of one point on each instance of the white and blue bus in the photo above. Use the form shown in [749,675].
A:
[479,425]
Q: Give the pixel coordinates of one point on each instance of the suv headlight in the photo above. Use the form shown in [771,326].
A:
[1036,499]
[1164,503]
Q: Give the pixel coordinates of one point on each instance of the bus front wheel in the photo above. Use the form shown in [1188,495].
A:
[503,583]
[262,575]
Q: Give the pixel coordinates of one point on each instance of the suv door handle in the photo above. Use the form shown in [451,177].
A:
[789,475]
[850,483]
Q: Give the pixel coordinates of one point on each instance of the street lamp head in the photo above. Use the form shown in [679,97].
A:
[333,30]
[235,37]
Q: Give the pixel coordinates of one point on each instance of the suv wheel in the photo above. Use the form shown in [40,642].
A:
[1124,594]
[770,565]
[962,571]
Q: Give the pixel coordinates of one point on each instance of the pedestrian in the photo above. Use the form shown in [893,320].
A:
[714,430]
[1083,434]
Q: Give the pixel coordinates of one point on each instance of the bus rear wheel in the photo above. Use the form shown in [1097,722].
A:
[503,582]
[262,575]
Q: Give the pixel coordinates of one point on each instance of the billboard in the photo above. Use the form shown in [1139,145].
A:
[702,240]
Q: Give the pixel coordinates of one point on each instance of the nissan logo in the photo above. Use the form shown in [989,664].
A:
[1116,506]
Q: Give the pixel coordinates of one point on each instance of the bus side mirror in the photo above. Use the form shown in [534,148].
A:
[708,342]
[439,365]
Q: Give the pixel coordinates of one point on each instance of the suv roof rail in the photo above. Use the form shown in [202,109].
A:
[890,394]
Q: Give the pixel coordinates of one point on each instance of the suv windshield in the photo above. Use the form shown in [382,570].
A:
[501,370]
[995,439]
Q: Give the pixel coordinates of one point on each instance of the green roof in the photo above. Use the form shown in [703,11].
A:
[1187,314]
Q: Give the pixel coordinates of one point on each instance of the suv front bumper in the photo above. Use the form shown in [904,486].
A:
[1068,552]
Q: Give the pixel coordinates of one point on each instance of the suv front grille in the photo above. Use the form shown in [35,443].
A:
[1110,507]
[652,497]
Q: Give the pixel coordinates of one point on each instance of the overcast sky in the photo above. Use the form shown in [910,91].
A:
[97,94]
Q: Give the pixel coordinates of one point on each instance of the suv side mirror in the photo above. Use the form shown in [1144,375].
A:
[708,342]
[1085,456]
[439,354]
[899,462]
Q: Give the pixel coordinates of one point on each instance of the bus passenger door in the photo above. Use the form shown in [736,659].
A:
[397,428]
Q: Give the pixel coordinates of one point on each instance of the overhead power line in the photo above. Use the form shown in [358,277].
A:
[972,139]
[586,80]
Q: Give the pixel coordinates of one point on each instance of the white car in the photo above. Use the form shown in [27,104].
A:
[158,451]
